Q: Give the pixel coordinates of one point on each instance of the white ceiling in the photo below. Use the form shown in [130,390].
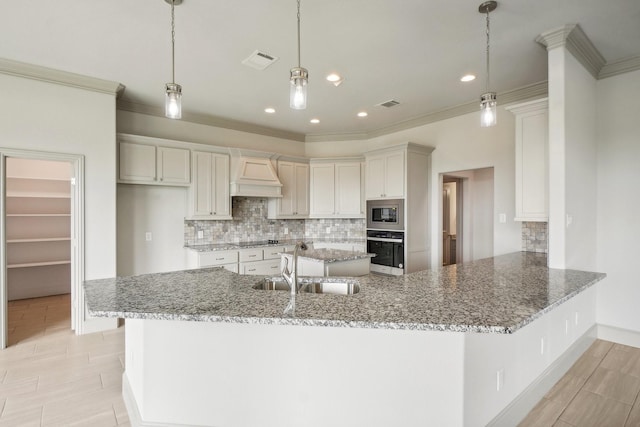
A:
[413,51]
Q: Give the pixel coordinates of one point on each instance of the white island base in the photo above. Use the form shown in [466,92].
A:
[182,373]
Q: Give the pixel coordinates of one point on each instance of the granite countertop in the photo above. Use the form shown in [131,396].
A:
[496,295]
[227,246]
[328,256]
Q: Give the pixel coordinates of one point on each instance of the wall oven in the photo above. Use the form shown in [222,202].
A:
[389,249]
[385,214]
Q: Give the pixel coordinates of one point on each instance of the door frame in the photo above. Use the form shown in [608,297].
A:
[77,234]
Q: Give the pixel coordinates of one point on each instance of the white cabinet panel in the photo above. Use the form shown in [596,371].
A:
[532,170]
[152,164]
[264,268]
[336,190]
[209,194]
[295,192]
[213,258]
[385,175]
[253,254]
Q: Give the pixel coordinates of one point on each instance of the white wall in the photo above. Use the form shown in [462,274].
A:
[619,199]
[154,209]
[460,144]
[182,130]
[48,117]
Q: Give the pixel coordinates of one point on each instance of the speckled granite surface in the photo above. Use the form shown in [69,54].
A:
[259,244]
[328,256]
[496,295]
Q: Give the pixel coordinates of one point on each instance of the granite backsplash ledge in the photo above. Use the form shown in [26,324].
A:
[250,223]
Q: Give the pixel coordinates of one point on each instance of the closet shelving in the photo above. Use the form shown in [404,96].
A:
[38,235]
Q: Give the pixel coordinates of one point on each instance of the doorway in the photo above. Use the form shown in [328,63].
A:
[451,220]
[467,234]
[40,231]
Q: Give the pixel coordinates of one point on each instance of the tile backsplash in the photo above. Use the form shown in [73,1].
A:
[535,237]
[250,223]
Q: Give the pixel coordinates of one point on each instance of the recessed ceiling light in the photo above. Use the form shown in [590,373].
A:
[334,78]
[270,110]
[315,121]
[363,114]
[467,78]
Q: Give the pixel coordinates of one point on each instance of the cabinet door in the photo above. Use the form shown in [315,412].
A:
[375,173]
[348,190]
[222,205]
[531,167]
[322,189]
[173,165]
[394,175]
[301,189]
[137,162]
[202,186]
[287,176]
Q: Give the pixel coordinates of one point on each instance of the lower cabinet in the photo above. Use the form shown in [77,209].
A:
[264,268]
[257,261]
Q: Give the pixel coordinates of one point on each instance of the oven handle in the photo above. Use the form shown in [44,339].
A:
[384,239]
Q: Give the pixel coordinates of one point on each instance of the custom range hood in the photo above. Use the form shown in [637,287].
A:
[253,175]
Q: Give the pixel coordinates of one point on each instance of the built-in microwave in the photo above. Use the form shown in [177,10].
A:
[385,214]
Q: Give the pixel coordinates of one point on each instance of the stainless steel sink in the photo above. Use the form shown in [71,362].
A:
[312,285]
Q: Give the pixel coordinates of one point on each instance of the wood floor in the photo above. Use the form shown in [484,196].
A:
[51,377]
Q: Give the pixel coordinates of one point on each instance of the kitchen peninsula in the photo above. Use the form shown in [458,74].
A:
[205,348]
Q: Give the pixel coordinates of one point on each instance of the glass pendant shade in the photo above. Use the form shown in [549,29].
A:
[298,90]
[173,101]
[488,110]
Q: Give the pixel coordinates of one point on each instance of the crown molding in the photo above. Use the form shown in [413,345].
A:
[49,75]
[576,41]
[536,90]
[620,67]
[210,120]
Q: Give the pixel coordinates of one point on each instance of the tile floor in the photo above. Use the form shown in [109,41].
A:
[51,377]
[601,390]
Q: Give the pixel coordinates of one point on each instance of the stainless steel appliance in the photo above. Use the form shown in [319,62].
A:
[385,214]
[389,249]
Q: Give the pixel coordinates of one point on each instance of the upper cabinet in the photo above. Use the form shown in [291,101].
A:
[294,202]
[153,164]
[336,189]
[532,163]
[209,193]
[385,175]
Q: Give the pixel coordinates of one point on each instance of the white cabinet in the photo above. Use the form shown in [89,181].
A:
[294,203]
[263,261]
[336,189]
[264,268]
[209,193]
[151,164]
[532,170]
[385,175]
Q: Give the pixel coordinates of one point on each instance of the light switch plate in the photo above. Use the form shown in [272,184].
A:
[503,218]
[148,236]
[200,234]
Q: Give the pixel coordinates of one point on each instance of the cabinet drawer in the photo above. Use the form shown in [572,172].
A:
[250,254]
[273,253]
[264,268]
[207,259]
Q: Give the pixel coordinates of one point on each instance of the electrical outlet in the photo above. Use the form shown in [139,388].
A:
[499,379]
[503,218]
[200,234]
[147,236]
[542,345]
[566,326]
[286,230]
[328,229]
[576,318]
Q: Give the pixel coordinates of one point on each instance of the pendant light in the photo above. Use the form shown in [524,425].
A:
[488,100]
[173,94]
[299,79]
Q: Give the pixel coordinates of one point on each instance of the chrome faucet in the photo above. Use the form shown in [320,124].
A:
[291,277]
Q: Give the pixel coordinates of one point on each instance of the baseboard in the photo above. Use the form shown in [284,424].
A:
[132,409]
[619,335]
[525,401]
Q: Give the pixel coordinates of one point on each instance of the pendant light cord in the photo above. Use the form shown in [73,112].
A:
[488,65]
[173,44]
[298,33]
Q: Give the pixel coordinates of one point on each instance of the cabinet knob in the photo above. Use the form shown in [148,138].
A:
[210,213]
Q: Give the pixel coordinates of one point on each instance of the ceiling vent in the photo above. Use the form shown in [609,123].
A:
[388,104]
[259,60]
